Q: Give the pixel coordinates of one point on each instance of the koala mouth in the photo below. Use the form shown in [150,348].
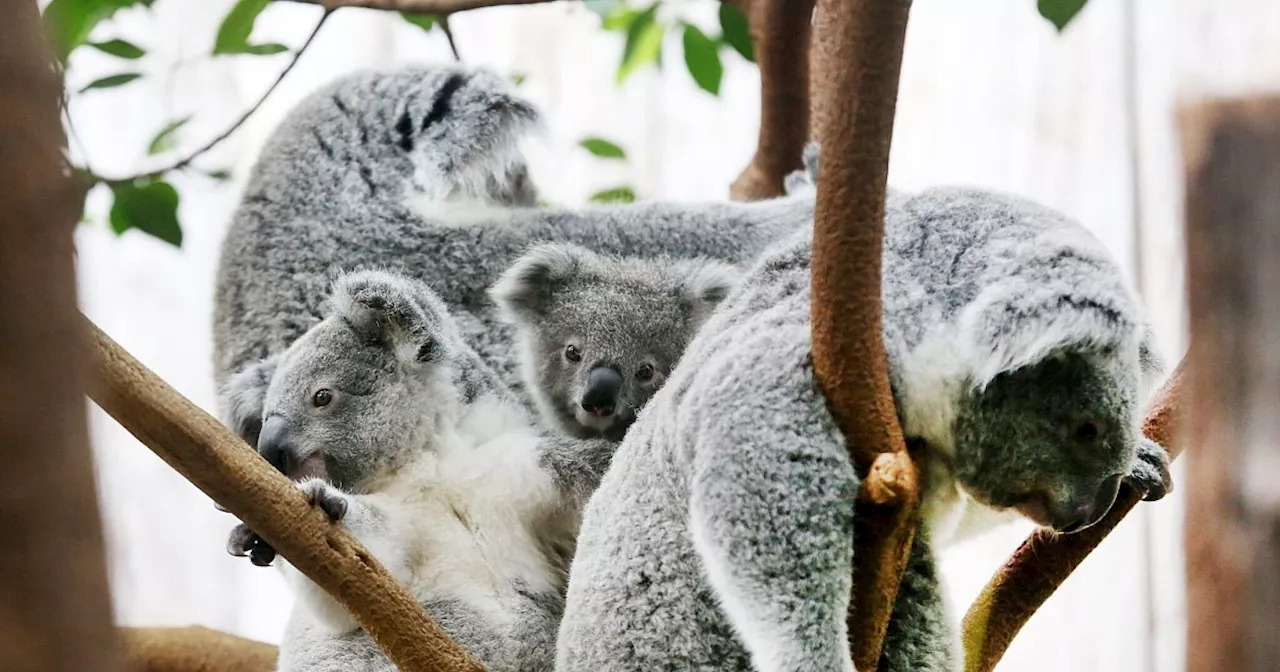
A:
[311,466]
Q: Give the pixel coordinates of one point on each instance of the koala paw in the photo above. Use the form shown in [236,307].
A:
[1151,473]
[244,542]
[327,498]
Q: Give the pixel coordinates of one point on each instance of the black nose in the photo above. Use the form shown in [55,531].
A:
[1084,515]
[276,445]
[601,395]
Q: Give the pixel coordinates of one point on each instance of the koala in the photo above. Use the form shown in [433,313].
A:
[418,171]
[722,535]
[394,427]
[600,334]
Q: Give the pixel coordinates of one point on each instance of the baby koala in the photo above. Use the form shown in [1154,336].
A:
[397,430]
[600,334]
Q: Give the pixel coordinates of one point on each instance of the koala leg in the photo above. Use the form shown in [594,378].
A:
[771,509]
[921,637]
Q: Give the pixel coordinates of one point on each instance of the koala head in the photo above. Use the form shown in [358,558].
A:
[601,334]
[361,391]
[1048,422]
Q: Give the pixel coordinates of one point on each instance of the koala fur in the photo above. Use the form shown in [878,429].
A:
[600,334]
[1017,356]
[394,427]
[418,171]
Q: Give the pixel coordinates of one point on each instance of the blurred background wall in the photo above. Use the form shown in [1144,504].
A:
[991,95]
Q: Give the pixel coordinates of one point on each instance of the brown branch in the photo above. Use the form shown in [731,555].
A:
[858,55]
[225,468]
[1233,449]
[1046,559]
[55,610]
[437,7]
[195,649]
[780,31]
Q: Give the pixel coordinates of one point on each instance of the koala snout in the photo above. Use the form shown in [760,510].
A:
[1079,515]
[601,394]
[276,445]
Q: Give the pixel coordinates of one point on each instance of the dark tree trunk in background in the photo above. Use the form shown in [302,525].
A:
[55,612]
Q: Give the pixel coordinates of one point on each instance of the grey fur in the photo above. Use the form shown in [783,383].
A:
[721,537]
[632,315]
[399,431]
[376,171]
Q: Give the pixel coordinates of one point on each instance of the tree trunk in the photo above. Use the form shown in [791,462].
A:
[55,612]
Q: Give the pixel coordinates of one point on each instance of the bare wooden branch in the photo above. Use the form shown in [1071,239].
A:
[225,468]
[1233,458]
[195,649]
[55,611]
[1046,559]
[436,7]
[780,31]
[858,55]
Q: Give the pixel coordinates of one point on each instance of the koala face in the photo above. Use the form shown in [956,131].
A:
[359,392]
[601,334]
[1052,440]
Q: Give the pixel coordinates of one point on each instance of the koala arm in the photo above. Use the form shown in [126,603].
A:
[771,501]
[576,465]
[920,637]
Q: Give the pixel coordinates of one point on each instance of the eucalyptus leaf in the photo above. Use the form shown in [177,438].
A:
[1060,12]
[68,23]
[150,207]
[233,34]
[167,138]
[120,49]
[423,21]
[112,81]
[644,43]
[615,195]
[702,57]
[736,32]
[603,148]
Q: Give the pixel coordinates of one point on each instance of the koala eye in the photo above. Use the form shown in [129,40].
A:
[1087,431]
[644,373]
[572,353]
[322,398]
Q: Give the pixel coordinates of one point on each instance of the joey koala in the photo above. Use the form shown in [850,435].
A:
[600,334]
[418,170]
[394,427]
[1018,357]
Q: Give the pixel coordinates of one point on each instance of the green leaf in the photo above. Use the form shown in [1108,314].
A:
[603,148]
[1060,12]
[423,21]
[619,18]
[67,23]
[264,49]
[736,32]
[702,57]
[150,207]
[166,139]
[233,34]
[219,175]
[112,81]
[615,195]
[518,78]
[644,43]
[119,49]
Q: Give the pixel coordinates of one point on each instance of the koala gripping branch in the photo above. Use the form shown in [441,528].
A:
[221,465]
[858,53]
[1045,559]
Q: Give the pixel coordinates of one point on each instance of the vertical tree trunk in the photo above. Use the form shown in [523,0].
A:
[1233,452]
[55,613]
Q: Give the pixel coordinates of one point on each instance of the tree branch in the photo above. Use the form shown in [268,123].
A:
[858,55]
[438,7]
[780,31]
[205,452]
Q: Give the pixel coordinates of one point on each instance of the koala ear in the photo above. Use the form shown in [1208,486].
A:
[805,180]
[524,291]
[240,402]
[398,312]
[709,282]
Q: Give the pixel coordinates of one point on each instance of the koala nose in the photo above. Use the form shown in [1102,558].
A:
[601,396]
[276,445]
[1082,515]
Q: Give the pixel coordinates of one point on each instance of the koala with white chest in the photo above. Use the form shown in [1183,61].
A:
[600,334]
[395,428]
[1017,356]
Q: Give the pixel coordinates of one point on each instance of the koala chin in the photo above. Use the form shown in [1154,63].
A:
[397,430]
[600,333]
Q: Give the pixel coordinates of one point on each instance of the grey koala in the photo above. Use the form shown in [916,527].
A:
[600,333]
[395,428]
[418,171]
[722,535]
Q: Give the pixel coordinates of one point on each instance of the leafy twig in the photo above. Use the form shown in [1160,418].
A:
[448,33]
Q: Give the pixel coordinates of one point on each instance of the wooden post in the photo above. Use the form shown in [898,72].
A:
[55,611]
[1232,150]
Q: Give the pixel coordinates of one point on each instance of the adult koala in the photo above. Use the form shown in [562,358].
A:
[418,171]
[395,428]
[722,535]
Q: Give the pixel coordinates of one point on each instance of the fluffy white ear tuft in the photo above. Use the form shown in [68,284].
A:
[399,312]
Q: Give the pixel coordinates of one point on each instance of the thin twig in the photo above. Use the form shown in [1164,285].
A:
[437,7]
[448,33]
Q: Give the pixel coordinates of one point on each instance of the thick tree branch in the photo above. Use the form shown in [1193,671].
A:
[1046,559]
[780,31]
[437,7]
[55,611]
[195,649]
[225,468]
[858,55]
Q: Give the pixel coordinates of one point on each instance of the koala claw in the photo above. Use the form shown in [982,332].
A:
[326,497]
[244,542]
[1151,473]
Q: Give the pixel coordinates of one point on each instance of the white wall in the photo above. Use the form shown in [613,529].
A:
[991,95]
